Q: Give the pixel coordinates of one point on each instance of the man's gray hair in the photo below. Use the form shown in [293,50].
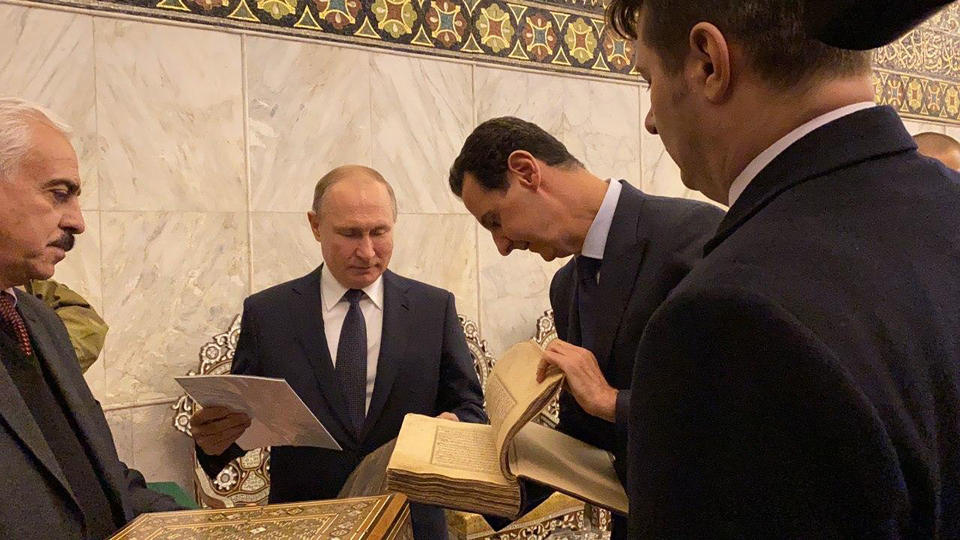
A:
[342,173]
[17,117]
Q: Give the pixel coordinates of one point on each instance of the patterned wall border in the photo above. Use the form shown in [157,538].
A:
[919,75]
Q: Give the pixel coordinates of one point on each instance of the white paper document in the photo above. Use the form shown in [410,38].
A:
[278,417]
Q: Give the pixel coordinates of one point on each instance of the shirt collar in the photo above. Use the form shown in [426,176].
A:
[12,293]
[764,158]
[331,291]
[596,240]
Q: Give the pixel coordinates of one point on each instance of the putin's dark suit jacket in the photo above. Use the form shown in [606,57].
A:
[804,379]
[652,244]
[37,501]
[424,367]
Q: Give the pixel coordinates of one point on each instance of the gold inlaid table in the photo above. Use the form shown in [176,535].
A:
[361,518]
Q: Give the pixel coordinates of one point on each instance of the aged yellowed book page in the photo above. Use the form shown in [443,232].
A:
[513,395]
[456,450]
[567,464]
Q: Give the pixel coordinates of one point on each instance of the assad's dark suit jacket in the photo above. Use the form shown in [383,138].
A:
[804,379]
[652,244]
[36,498]
[424,367]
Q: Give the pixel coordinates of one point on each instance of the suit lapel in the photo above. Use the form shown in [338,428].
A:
[622,256]
[393,344]
[852,139]
[18,418]
[573,335]
[306,310]
[79,405]
[14,409]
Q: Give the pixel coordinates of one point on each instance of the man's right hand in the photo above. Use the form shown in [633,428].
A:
[216,428]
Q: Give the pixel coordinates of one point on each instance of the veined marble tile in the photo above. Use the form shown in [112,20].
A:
[119,421]
[953,131]
[532,97]
[160,452]
[309,109]
[601,127]
[282,248]
[170,115]
[170,282]
[917,126]
[47,57]
[440,250]
[80,270]
[422,112]
[514,292]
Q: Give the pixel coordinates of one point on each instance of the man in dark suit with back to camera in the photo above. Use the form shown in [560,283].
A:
[62,476]
[630,250]
[360,345]
[804,379]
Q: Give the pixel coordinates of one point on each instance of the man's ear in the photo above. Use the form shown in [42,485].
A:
[525,168]
[314,220]
[709,64]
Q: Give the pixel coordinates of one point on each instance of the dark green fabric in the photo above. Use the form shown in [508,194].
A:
[174,490]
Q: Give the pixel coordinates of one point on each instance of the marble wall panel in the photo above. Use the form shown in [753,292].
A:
[514,291]
[916,126]
[601,129]
[170,282]
[170,116]
[282,247]
[440,250]
[80,270]
[309,108]
[160,452]
[531,96]
[47,57]
[422,112]
[953,131]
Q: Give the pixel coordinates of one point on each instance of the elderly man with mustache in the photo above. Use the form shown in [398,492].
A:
[63,476]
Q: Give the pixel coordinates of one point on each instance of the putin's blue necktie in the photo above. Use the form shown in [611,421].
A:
[351,366]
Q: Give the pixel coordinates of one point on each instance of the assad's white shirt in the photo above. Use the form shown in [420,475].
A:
[335,309]
[767,156]
[12,293]
[596,240]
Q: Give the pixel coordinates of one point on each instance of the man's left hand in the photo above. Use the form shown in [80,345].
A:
[448,416]
[584,380]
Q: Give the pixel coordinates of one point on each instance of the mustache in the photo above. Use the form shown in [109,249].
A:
[65,242]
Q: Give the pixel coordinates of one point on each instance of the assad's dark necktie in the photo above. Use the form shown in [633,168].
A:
[12,323]
[351,366]
[587,298]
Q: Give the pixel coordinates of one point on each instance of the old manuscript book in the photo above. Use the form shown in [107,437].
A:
[363,518]
[475,467]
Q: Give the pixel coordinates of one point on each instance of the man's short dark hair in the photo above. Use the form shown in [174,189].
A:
[485,152]
[771,32]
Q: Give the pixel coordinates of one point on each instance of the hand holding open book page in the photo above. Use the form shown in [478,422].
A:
[474,467]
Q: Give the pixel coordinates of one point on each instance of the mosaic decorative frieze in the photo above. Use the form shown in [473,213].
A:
[557,35]
[919,74]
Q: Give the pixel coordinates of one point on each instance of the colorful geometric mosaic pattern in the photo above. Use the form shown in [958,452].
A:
[919,75]
[561,35]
